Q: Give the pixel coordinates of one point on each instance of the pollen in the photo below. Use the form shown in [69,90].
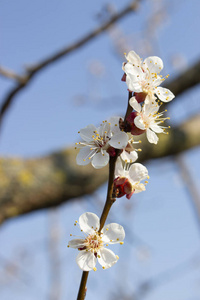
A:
[117,257]
[94,269]
[121,243]
[103,268]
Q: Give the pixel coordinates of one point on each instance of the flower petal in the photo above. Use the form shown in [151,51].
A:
[86,260]
[76,243]
[164,94]
[114,124]
[138,121]
[156,128]
[106,258]
[119,140]
[140,187]
[151,136]
[113,233]
[135,105]
[82,158]
[133,84]
[87,133]
[89,222]
[119,170]
[100,160]
[129,157]
[153,64]
[138,172]
[133,58]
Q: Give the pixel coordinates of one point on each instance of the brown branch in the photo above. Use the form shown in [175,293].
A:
[10,74]
[29,185]
[186,80]
[33,70]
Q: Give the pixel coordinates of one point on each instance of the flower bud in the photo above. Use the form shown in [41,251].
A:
[122,186]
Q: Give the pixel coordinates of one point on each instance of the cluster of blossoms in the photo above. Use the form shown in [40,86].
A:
[115,137]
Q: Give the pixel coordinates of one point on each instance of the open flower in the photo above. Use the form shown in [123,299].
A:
[148,119]
[92,246]
[128,179]
[143,78]
[99,143]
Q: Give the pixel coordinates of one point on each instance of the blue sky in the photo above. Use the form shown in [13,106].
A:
[45,117]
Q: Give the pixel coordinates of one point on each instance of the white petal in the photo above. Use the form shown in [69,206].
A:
[156,128]
[164,94]
[82,158]
[135,105]
[104,129]
[150,107]
[107,258]
[119,140]
[151,136]
[114,124]
[76,243]
[138,172]
[139,123]
[100,160]
[153,64]
[86,260]
[133,58]
[89,222]
[139,188]
[133,84]
[113,233]
[87,133]
[129,157]
[119,170]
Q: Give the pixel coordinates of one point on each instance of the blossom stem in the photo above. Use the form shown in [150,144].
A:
[109,202]
[82,288]
[129,108]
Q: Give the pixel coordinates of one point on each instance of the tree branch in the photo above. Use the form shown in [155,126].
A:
[29,185]
[33,70]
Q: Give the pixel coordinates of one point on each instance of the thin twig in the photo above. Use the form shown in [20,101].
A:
[33,70]
[10,74]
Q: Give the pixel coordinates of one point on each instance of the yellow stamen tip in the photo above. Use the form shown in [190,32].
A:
[94,269]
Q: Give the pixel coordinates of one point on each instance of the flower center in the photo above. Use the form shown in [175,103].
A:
[93,242]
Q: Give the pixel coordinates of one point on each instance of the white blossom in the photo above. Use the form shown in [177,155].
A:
[148,119]
[134,173]
[97,141]
[93,246]
[143,77]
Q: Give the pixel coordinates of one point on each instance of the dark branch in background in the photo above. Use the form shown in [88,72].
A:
[186,80]
[24,80]
[29,185]
[10,74]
